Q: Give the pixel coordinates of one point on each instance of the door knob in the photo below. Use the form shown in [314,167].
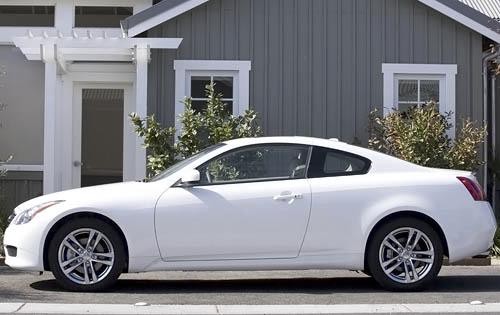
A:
[77,163]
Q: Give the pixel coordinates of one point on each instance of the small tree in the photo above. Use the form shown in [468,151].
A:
[419,135]
[201,129]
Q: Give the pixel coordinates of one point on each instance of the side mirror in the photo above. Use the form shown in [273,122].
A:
[190,177]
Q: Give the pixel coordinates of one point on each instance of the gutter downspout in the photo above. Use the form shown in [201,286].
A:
[486,60]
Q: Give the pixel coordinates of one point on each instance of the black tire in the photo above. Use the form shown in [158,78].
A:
[112,236]
[374,248]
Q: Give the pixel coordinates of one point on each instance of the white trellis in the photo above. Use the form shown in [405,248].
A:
[88,53]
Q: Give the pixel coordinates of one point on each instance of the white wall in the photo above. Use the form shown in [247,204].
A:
[21,109]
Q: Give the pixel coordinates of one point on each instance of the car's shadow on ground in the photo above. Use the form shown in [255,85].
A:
[476,283]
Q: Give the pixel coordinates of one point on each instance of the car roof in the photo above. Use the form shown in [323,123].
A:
[280,139]
[380,161]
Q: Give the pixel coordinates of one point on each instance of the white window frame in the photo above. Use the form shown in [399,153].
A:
[238,69]
[212,74]
[445,73]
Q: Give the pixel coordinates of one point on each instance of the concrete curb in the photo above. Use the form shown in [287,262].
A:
[125,309]
[476,261]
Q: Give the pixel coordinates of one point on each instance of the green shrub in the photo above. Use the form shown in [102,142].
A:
[418,135]
[495,250]
[212,125]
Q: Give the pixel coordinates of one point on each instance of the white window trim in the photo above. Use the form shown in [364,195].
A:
[447,86]
[183,68]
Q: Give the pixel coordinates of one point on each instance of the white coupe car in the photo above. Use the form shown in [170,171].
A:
[259,204]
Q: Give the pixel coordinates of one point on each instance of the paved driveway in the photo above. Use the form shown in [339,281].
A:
[455,285]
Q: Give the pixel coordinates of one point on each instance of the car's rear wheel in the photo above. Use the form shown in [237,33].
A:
[405,255]
[86,254]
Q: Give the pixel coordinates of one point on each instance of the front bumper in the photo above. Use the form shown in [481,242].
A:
[27,239]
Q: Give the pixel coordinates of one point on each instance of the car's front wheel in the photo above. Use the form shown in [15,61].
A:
[405,254]
[86,254]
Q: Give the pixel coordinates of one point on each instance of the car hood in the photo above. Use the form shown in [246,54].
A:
[88,195]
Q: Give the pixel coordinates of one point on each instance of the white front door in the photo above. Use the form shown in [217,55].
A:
[252,203]
[100,125]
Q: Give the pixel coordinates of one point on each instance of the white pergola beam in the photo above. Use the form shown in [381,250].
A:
[102,43]
[141,101]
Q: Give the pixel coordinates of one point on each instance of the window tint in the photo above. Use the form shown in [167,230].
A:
[328,162]
[261,162]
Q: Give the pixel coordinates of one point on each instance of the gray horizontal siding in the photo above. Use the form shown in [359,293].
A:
[316,64]
[18,187]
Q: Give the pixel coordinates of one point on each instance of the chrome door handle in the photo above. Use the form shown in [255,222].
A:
[287,197]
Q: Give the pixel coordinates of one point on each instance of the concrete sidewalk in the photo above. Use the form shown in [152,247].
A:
[124,309]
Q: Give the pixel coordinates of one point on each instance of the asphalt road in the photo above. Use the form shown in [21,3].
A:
[455,285]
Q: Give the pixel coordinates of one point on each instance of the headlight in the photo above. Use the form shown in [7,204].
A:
[28,214]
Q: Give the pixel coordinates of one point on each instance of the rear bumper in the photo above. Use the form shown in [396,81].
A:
[471,235]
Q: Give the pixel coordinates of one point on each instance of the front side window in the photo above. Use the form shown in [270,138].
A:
[181,164]
[256,163]
[329,162]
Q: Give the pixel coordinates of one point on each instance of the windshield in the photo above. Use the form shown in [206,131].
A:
[179,165]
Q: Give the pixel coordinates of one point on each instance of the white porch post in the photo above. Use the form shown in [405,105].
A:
[49,133]
[141,101]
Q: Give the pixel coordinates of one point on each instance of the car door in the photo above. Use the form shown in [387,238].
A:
[341,192]
[250,203]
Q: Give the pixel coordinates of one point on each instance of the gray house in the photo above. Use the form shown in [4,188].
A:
[308,67]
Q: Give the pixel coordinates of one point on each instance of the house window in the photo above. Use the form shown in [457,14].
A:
[223,84]
[101,16]
[231,78]
[408,85]
[417,90]
[26,15]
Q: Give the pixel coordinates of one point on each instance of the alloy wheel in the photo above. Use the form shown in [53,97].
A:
[406,255]
[86,256]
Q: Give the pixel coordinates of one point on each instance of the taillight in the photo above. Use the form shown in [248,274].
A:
[474,189]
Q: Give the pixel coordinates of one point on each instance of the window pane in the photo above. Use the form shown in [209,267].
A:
[265,162]
[198,85]
[224,85]
[199,106]
[402,107]
[229,106]
[408,90]
[26,15]
[99,16]
[429,90]
[328,162]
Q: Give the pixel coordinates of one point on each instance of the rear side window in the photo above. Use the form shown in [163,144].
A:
[328,162]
